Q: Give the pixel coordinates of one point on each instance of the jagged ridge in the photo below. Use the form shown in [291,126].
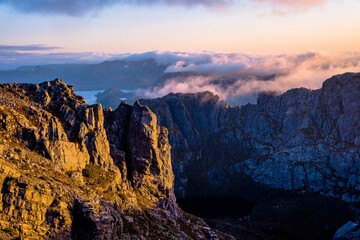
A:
[304,140]
[284,153]
[69,170]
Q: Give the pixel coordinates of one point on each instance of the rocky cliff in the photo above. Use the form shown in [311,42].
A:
[73,171]
[301,142]
[192,119]
[69,170]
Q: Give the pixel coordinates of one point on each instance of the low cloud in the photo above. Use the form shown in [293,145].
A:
[290,6]
[34,47]
[12,56]
[239,78]
[171,58]
[292,3]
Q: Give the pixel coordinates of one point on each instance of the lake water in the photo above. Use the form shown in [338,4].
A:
[89,96]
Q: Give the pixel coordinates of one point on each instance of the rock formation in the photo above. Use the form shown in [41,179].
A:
[73,171]
[303,140]
[350,230]
[191,119]
[300,142]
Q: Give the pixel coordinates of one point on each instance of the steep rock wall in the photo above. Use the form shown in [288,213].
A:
[72,171]
[302,140]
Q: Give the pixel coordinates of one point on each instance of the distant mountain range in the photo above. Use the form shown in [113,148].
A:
[122,74]
[119,73]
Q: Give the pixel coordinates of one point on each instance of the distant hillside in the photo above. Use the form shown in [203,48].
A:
[120,73]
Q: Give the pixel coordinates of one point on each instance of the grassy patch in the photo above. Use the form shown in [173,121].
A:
[95,175]
[11,231]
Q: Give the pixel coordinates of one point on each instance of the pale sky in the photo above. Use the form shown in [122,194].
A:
[123,26]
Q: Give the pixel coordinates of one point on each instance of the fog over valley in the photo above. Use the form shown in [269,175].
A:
[236,78]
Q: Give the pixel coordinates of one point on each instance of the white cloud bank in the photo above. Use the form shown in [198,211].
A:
[239,78]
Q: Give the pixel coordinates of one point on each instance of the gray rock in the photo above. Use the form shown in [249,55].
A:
[350,231]
[302,140]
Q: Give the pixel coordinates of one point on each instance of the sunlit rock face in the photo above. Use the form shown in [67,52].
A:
[302,140]
[73,171]
[141,150]
[67,167]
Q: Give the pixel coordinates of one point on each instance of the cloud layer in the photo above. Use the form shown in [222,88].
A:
[239,78]
[80,7]
[284,7]
[12,56]
[33,47]
[293,3]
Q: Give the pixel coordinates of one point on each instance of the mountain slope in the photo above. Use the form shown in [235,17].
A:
[72,171]
[118,73]
[304,140]
[294,155]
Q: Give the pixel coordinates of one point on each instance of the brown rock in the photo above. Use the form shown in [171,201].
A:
[69,171]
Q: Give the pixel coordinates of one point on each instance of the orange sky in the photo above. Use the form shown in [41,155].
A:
[259,26]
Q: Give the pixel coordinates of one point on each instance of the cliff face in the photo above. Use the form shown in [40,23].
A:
[141,151]
[70,170]
[192,119]
[303,140]
[314,144]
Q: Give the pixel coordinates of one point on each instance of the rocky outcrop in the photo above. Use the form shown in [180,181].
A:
[58,125]
[349,231]
[191,119]
[303,140]
[72,171]
[290,154]
[67,167]
[141,150]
